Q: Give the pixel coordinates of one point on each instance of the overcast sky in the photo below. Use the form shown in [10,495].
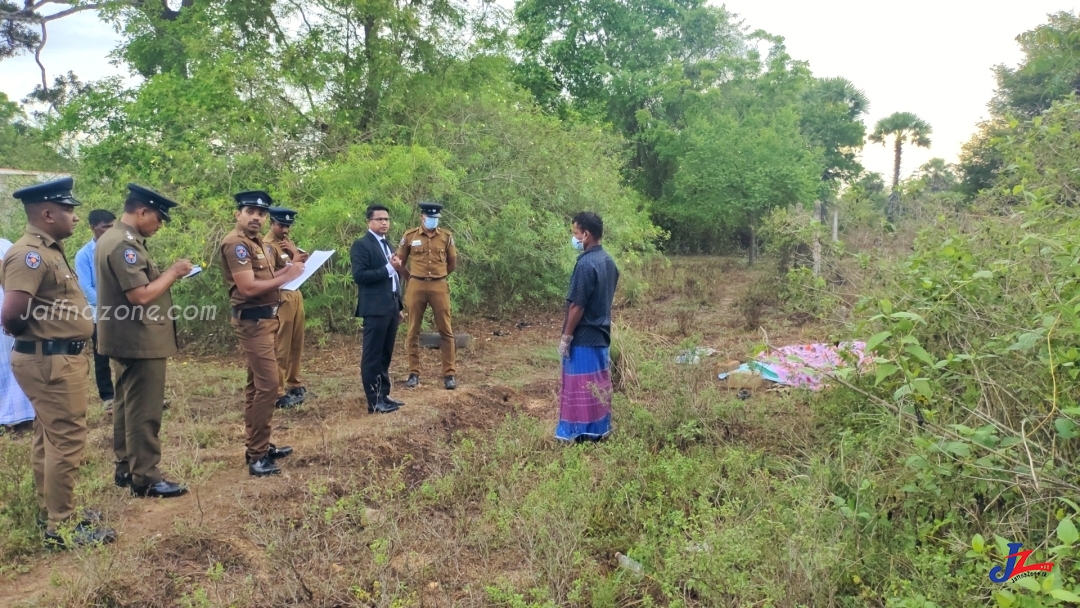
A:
[930,57]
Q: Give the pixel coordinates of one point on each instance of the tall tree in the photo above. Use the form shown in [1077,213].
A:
[1050,69]
[832,112]
[904,128]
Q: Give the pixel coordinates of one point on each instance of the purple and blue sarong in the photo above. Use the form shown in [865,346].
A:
[585,398]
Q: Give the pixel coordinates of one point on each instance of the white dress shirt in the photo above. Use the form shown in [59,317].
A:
[388,253]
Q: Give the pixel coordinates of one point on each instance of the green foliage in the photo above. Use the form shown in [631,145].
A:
[1049,71]
[22,145]
[732,171]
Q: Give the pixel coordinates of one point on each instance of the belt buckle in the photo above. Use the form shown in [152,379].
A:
[273,311]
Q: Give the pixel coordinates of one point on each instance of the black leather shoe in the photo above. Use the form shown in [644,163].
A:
[381,407]
[449,383]
[393,402]
[275,452]
[299,392]
[263,467]
[286,402]
[161,489]
[413,380]
[89,517]
[84,534]
[122,480]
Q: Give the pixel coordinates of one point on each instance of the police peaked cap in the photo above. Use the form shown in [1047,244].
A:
[431,209]
[55,191]
[283,215]
[152,199]
[253,198]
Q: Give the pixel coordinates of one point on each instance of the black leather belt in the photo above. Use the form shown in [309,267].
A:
[254,314]
[428,278]
[50,347]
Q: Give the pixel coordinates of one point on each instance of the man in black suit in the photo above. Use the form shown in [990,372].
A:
[376,270]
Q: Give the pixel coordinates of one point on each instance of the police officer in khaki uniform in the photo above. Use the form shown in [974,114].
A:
[137,331]
[290,334]
[253,293]
[428,256]
[48,315]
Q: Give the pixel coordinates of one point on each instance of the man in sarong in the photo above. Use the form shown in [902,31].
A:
[585,398]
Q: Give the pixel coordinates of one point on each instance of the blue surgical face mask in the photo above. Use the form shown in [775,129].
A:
[576,244]
[431,222]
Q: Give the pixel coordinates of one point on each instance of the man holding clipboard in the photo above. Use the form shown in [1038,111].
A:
[290,333]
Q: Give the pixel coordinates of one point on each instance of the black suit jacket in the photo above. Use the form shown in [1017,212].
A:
[377,295]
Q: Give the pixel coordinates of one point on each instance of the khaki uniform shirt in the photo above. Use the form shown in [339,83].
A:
[427,256]
[281,258]
[238,252]
[127,331]
[37,265]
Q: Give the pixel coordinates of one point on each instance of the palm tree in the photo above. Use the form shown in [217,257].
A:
[841,90]
[905,127]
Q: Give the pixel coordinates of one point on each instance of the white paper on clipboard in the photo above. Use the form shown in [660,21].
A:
[313,263]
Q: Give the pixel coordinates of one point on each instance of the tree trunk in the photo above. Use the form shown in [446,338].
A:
[753,245]
[374,74]
[896,163]
[836,226]
[817,240]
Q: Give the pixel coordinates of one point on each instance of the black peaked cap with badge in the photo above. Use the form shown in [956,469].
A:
[253,198]
[152,199]
[283,215]
[431,209]
[55,191]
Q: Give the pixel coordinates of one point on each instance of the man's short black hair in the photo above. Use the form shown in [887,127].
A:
[373,208]
[98,217]
[591,222]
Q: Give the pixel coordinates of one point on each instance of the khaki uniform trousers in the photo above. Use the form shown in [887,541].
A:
[417,298]
[290,340]
[57,388]
[257,342]
[137,411]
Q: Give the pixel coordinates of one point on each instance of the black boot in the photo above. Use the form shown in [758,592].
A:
[86,533]
[121,476]
[263,467]
[287,401]
[413,380]
[161,489]
[449,383]
[381,407]
[278,452]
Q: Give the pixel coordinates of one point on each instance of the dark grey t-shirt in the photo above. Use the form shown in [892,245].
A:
[592,287]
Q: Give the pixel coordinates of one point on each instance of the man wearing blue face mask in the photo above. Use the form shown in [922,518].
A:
[585,396]
[428,256]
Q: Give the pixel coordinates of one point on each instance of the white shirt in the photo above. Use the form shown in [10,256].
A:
[386,248]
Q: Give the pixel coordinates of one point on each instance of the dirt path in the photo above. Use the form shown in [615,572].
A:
[225,521]
[332,435]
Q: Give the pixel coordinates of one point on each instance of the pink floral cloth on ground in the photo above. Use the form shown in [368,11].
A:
[806,365]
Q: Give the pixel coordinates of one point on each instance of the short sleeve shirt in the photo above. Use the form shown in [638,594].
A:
[277,253]
[239,253]
[592,287]
[427,256]
[37,265]
[125,330]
